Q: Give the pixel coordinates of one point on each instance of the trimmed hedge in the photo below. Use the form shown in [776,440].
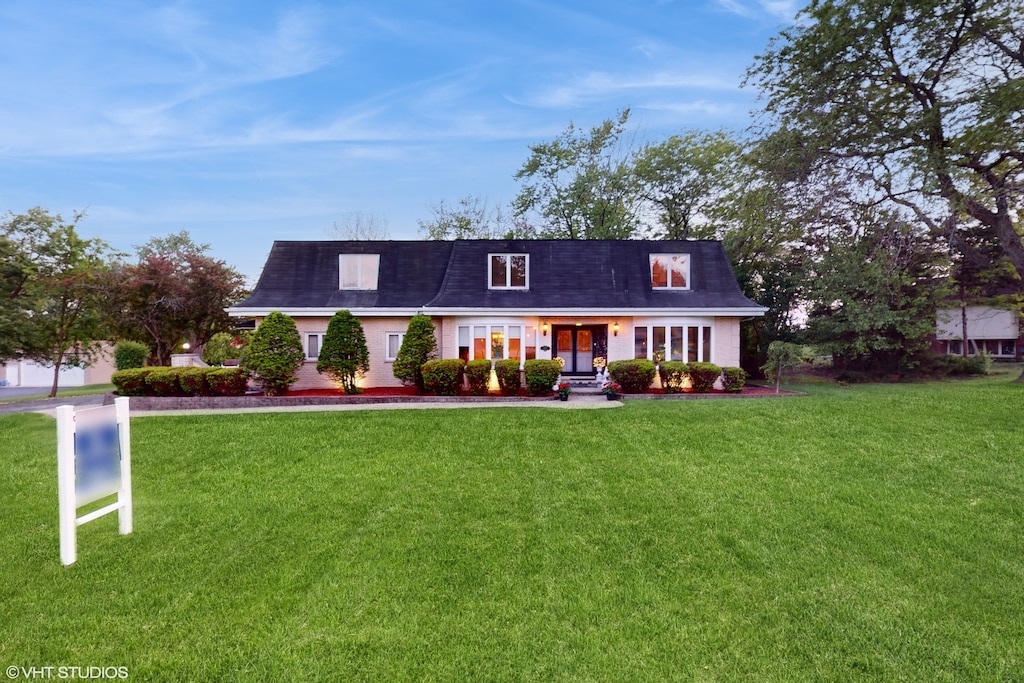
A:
[703,376]
[188,381]
[478,374]
[227,381]
[163,381]
[131,382]
[509,380]
[443,376]
[541,375]
[733,379]
[635,376]
[673,375]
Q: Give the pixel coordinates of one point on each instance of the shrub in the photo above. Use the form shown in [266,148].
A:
[703,376]
[478,374]
[344,356]
[443,376]
[733,379]
[192,381]
[225,346]
[418,346]
[509,379]
[275,353]
[980,364]
[635,376]
[129,354]
[227,381]
[131,382]
[541,375]
[163,381]
[673,375]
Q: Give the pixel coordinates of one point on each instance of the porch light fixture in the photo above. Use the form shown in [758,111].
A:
[615,328]
[544,328]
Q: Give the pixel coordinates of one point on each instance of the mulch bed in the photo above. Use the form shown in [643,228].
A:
[396,392]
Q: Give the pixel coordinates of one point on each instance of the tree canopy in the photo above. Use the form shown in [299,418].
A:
[921,103]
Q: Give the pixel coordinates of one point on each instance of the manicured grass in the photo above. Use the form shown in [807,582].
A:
[869,533]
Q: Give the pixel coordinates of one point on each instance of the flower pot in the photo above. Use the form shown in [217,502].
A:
[563,397]
[612,397]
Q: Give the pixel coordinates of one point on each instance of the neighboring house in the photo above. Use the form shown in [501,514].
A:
[995,330]
[27,373]
[522,299]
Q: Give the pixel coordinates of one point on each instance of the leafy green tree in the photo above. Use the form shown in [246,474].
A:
[418,346]
[919,102]
[175,293]
[53,280]
[873,298]
[275,353]
[781,356]
[129,355]
[579,186]
[344,355]
[683,178]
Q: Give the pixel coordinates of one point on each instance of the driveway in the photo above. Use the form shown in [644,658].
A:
[11,393]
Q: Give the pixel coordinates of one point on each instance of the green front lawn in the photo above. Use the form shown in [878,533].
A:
[858,533]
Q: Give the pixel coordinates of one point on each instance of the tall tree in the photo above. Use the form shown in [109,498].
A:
[359,226]
[579,186]
[873,295]
[921,101]
[51,279]
[175,293]
[683,178]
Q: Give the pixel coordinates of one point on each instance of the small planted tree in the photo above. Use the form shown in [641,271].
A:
[418,347]
[275,354]
[344,356]
[130,354]
[781,355]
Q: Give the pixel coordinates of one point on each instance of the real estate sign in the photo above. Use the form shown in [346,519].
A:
[93,463]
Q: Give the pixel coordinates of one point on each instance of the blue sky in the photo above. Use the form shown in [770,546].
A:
[246,122]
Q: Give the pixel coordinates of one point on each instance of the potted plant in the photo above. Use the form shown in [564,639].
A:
[611,390]
[564,389]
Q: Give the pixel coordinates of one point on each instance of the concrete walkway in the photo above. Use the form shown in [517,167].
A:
[577,401]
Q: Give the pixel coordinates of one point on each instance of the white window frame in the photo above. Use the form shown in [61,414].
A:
[704,348]
[387,345]
[319,344]
[525,329]
[364,281]
[508,271]
[668,258]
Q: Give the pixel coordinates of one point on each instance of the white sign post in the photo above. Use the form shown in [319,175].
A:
[93,462]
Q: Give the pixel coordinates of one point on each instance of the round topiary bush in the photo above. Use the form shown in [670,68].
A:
[509,380]
[443,376]
[703,376]
[635,376]
[478,374]
[733,379]
[673,375]
[541,375]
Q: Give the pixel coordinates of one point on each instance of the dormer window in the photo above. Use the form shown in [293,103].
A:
[508,271]
[358,271]
[670,271]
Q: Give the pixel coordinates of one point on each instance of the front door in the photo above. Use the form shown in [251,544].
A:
[578,346]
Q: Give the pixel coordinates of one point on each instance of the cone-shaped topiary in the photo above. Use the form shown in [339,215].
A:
[418,347]
[275,353]
[344,356]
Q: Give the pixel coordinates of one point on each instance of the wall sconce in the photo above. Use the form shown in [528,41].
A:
[615,328]
[544,328]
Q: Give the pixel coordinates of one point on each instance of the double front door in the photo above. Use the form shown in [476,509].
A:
[578,346]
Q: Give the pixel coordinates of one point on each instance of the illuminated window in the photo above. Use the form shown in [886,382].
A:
[670,271]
